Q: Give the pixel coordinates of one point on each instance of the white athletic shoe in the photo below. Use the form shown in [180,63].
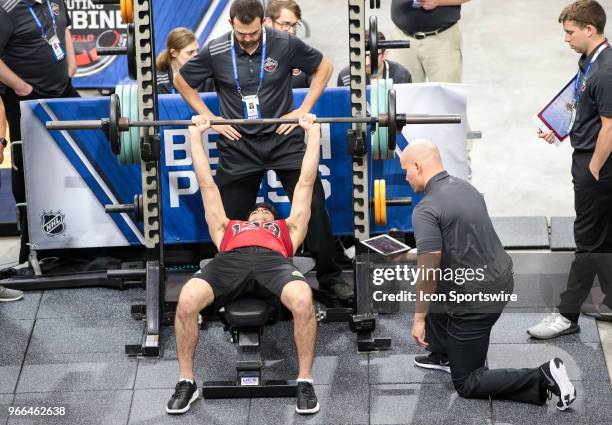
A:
[552,326]
[557,382]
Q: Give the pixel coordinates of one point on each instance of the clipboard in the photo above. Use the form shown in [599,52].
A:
[556,116]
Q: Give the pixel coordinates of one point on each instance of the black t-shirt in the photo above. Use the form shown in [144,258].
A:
[452,218]
[393,70]
[165,83]
[410,19]
[284,52]
[26,53]
[300,80]
[595,100]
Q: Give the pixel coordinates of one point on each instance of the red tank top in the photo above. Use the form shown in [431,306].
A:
[273,235]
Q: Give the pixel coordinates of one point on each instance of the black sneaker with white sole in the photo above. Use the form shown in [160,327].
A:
[555,380]
[306,403]
[433,361]
[185,393]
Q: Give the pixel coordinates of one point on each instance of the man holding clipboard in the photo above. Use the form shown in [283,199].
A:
[590,131]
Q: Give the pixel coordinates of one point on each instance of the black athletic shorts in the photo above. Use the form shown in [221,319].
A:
[251,270]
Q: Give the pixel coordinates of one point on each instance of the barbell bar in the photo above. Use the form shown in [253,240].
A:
[116,124]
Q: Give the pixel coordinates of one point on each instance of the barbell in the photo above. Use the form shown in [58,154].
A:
[129,50]
[380,202]
[116,123]
[373,44]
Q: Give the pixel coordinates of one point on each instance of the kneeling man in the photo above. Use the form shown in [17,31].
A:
[258,250]
[461,258]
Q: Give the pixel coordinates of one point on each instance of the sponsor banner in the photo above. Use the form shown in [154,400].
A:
[73,174]
[100,25]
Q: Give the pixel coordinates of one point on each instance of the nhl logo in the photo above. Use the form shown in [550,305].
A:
[270,65]
[56,9]
[52,223]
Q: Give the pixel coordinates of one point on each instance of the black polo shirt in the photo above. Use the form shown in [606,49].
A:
[26,53]
[165,83]
[452,218]
[393,70]
[595,100]
[284,52]
[410,19]
[300,80]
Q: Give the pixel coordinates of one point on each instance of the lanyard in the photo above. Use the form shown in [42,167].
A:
[40,25]
[261,71]
[580,80]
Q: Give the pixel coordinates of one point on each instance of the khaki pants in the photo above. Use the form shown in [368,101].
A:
[437,58]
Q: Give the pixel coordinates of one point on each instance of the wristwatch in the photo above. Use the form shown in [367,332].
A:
[3,141]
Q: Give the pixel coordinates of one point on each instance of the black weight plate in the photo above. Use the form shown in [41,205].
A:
[131,52]
[113,127]
[392,134]
[373,44]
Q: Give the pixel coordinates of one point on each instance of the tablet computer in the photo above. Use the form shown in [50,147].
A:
[556,116]
[385,245]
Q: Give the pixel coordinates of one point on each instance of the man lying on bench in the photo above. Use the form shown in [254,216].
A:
[257,250]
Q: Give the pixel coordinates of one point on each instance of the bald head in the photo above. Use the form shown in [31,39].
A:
[421,160]
[422,151]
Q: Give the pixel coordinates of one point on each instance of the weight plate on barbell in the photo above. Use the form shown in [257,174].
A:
[134,131]
[392,114]
[112,132]
[391,135]
[119,134]
[376,202]
[383,133]
[375,149]
[123,7]
[131,52]
[130,11]
[372,38]
[383,202]
[126,106]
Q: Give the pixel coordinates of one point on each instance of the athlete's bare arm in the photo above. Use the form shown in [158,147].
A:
[211,197]
[297,222]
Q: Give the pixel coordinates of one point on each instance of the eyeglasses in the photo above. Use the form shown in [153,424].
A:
[286,26]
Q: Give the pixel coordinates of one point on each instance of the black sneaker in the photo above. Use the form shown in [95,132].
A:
[598,311]
[555,381]
[338,288]
[433,361]
[306,403]
[185,393]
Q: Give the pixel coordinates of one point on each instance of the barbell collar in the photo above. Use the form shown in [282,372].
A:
[403,119]
[393,44]
[118,208]
[399,201]
[78,125]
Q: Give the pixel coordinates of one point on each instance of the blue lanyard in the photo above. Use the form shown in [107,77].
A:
[261,71]
[40,25]
[580,80]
